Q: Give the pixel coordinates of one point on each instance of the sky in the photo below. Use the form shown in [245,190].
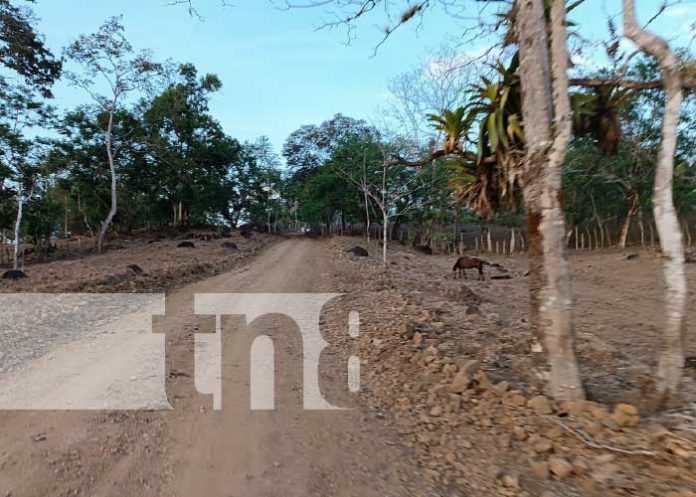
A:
[278,71]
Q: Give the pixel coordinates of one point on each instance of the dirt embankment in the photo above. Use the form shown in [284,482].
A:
[446,365]
[140,265]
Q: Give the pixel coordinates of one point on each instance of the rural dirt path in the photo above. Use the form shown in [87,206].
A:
[195,450]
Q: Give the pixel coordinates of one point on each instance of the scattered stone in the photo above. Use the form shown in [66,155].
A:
[630,257]
[519,433]
[230,245]
[469,367]
[510,479]
[436,411]
[358,251]
[501,387]
[460,383]
[137,270]
[540,469]
[14,274]
[464,379]
[575,407]
[540,404]
[542,445]
[472,309]
[417,339]
[186,245]
[554,433]
[600,413]
[625,415]
[39,437]
[560,467]
[580,467]
[604,473]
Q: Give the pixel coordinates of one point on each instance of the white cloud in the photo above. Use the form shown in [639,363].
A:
[681,11]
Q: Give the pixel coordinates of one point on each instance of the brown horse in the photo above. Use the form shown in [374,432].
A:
[464,263]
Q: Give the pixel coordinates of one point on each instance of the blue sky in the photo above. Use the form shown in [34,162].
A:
[278,71]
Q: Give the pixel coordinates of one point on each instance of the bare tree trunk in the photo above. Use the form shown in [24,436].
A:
[652,233]
[544,109]
[112,169]
[577,239]
[641,226]
[385,228]
[632,209]
[367,217]
[18,224]
[608,231]
[671,360]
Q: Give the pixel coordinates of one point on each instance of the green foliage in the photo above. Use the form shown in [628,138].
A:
[23,50]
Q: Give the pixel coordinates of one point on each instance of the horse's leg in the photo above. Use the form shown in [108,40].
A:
[481,272]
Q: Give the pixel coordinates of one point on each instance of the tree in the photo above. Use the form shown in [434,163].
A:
[269,163]
[108,56]
[308,147]
[367,164]
[188,148]
[671,359]
[547,120]
[23,51]
[20,109]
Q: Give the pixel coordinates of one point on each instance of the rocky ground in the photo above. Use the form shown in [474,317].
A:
[444,409]
[444,362]
[162,264]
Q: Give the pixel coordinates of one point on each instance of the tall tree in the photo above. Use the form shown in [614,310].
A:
[20,108]
[188,146]
[671,359]
[108,56]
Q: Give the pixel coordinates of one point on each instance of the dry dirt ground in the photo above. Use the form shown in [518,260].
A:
[448,361]
[164,265]
[443,408]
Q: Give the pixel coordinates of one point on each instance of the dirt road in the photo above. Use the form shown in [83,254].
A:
[196,450]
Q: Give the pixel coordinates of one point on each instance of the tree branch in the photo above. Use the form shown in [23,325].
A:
[688,82]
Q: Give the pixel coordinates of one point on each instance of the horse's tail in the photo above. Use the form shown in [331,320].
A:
[456,265]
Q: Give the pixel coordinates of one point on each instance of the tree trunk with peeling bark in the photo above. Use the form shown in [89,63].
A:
[671,359]
[546,116]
